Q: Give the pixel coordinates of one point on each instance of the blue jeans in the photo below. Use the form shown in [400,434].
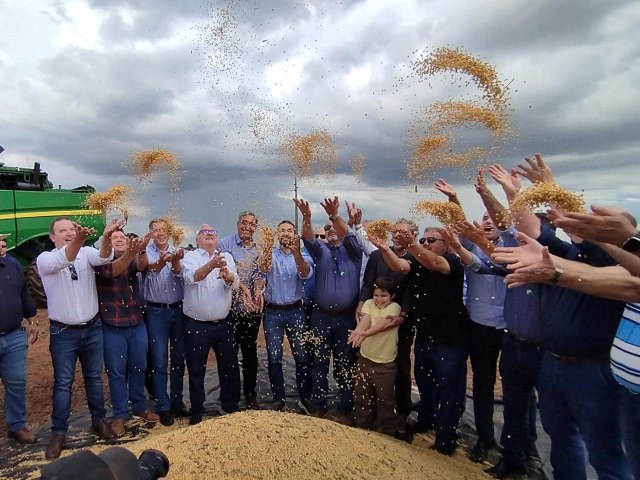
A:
[13,372]
[165,327]
[293,322]
[331,333]
[441,377]
[199,338]
[67,345]
[630,421]
[519,369]
[125,359]
[578,405]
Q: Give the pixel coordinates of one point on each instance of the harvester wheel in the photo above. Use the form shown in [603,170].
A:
[34,283]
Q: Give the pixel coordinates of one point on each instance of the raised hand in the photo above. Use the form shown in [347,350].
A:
[606,224]
[331,206]
[218,261]
[471,231]
[379,243]
[528,253]
[303,206]
[82,233]
[536,170]
[509,181]
[442,186]
[112,226]
[355,214]
[481,183]
[538,272]
[452,239]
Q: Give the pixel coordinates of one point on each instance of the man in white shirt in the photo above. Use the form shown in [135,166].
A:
[209,279]
[76,330]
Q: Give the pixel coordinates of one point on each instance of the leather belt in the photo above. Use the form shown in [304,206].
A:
[290,306]
[209,322]
[55,323]
[523,342]
[605,357]
[165,305]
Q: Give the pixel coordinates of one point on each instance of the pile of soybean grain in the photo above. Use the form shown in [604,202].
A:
[278,445]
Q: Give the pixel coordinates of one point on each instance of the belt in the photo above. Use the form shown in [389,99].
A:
[55,323]
[290,306]
[582,360]
[7,332]
[165,305]
[334,313]
[523,342]
[210,322]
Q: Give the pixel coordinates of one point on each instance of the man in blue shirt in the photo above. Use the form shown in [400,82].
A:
[15,304]
[246,311]
[338,264]
[284,312]
[164,292]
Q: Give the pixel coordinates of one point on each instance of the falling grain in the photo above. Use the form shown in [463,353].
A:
[546,193]
[447,213]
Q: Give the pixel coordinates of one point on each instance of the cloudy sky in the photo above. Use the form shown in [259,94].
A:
[85,84]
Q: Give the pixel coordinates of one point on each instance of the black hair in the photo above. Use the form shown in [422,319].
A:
[385,283]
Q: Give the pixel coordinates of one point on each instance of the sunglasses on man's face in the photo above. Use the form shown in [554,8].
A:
[208,232]
[429,240]
[321,235]
[327,228]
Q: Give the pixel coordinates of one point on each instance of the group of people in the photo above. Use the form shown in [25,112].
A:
[345,298]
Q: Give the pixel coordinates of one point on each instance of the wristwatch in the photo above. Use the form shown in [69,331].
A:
[632,244]
[333,217]
[556,275]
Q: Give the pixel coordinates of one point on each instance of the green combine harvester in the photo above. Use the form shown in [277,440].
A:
[28,204]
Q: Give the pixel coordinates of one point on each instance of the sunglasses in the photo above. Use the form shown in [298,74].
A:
[327,228]
[74,273]
[208,232]
[429,240]
[322,236]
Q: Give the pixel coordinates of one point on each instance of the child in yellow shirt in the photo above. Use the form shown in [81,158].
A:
[376,366]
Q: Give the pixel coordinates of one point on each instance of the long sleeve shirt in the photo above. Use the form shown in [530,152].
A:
[576,324]
[15,300]
[118,295]
[71,297]
[337,273]
[284,285]
[246,259]
[162,286]
[485,293]
[209,299]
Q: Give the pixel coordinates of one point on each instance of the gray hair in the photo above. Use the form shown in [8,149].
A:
[411,223]
[247,213]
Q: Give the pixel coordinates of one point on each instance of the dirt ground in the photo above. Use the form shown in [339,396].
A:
[40,380]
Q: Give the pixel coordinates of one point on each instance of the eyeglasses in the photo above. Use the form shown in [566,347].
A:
[327,228]
[208,232]
[322,236]
[74,273]
[429,240]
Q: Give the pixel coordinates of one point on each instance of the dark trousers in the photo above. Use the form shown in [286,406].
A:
[246,326]
[441,375]
[484,348]
[519,369]
[199,338]
[332,333]
[406,334]
[375,396]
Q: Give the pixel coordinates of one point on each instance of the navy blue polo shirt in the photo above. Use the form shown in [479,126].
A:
[15,300]
[576,324]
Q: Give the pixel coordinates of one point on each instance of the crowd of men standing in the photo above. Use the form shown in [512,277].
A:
[140,306]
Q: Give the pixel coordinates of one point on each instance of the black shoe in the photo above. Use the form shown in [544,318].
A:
[166,418]
[535,469]
[305,406]
[278,405]
[480,451]
[416,426]
[405,436]
[196,418]
[444,450]
[180,410]
[252,404]
[503,469]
